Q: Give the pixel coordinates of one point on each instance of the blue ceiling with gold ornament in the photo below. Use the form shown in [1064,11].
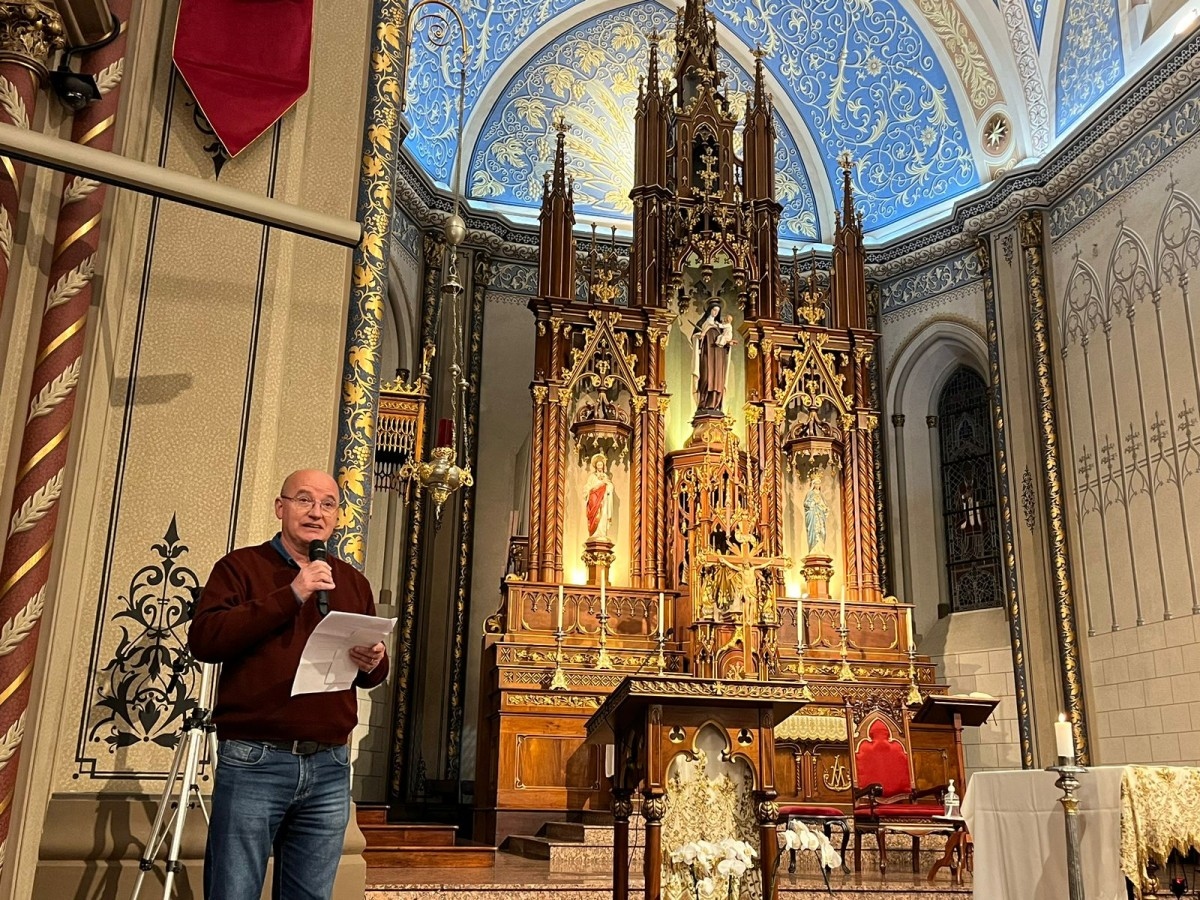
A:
[934,98]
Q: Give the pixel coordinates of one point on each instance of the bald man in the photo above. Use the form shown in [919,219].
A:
[283,765]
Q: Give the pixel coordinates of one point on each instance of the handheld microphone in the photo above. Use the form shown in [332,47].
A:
[317,552]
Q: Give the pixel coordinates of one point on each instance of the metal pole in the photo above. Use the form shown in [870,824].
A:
[1068,783]
[120,171]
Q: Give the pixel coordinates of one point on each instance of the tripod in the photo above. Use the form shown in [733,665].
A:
[197,731]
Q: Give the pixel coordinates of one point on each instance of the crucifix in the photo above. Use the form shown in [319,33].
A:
[709,176]
[745,561]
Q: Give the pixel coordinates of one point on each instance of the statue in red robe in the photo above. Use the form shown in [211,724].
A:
[599,499]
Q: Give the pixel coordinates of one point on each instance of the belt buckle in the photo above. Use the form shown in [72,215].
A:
[304,748]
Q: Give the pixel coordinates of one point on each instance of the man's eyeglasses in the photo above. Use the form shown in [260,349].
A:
[304,503]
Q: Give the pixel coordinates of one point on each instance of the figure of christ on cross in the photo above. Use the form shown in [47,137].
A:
[745,562]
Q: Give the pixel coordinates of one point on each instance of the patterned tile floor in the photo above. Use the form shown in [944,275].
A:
[514,878]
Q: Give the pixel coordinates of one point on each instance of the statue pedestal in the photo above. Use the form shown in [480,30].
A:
[708,430]
[598,556]
[818,569]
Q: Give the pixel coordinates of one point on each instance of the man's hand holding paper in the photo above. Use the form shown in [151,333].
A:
[340,647]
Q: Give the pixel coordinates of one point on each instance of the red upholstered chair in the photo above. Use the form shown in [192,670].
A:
[886,800]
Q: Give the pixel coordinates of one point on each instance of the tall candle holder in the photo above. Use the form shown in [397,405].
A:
[602,660]
[558,681]
[805,691]
[845,673]
[1068,783]
[662,656]
[914,693]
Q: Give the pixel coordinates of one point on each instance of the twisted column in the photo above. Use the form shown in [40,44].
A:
[52,391]
[30,33]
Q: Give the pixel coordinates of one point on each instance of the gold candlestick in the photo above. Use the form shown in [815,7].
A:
[602,660]
[845,673]
[805,692]
[914,693]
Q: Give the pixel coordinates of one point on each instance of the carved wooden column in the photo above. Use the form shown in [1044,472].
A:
[654,807]
[640,484]
[622,810]
[766,814]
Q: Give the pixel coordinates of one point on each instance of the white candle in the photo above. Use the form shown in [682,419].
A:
[842,613]
[908,616]
[603,596]
[800,625]
[610,760]
[560,607]
[1064,740]
[661,633]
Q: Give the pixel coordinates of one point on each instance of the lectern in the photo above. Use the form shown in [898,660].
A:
[652,719]
[956,713]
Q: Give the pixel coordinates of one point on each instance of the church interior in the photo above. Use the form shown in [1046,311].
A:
[710,390]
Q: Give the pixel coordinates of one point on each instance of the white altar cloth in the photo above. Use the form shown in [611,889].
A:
[1017,825]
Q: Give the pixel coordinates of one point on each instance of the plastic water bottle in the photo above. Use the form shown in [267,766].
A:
[951,800]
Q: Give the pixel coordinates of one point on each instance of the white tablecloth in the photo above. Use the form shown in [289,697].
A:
[1020,840]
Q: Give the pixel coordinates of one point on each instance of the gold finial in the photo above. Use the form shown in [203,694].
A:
[560,122]
[759,52]
[845,161]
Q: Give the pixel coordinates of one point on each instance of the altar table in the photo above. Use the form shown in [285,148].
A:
[1127,814]
[1020,841]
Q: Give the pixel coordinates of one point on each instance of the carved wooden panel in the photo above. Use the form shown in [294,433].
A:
[934,758]
[555,761]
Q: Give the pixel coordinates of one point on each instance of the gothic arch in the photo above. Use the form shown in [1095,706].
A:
[923,365]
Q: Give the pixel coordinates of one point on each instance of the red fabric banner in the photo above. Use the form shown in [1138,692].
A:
[245,61]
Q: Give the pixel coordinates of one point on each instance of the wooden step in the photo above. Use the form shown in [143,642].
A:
[400,834]
[371,814]
[465,856]
[574,857]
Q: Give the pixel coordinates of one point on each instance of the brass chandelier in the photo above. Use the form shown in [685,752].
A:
[441,475]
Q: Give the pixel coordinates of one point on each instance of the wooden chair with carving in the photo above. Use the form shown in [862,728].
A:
[886,798]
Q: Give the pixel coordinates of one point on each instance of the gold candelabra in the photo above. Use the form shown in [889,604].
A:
[558,681]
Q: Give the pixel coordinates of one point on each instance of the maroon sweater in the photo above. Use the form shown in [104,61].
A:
[248,619]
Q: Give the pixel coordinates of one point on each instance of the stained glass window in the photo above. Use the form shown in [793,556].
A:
[969,493]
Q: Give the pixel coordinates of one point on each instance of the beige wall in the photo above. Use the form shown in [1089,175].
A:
[1123,272]
[192,307]
[933,323]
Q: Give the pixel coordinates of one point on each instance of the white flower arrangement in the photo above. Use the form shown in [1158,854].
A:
[798,836]
[713,865]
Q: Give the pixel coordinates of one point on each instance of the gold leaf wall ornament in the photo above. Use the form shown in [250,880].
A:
[963,47]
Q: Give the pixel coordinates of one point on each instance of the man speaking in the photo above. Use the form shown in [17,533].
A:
[283,764]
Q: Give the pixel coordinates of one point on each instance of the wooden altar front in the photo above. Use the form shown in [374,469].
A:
[650,720]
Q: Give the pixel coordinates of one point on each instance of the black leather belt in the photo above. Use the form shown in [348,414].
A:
[300,748]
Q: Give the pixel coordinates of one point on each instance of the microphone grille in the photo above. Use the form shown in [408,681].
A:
[316,550]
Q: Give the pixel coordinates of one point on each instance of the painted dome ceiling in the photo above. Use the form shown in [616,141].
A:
[934,98]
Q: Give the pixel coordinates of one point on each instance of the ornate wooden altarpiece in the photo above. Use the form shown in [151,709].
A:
[762,497]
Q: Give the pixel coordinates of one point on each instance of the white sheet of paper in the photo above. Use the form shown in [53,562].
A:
[325,664]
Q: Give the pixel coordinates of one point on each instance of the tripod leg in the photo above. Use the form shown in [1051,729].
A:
[185,793]
[157,830]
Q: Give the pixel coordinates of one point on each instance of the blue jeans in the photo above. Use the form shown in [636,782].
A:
[265,801]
